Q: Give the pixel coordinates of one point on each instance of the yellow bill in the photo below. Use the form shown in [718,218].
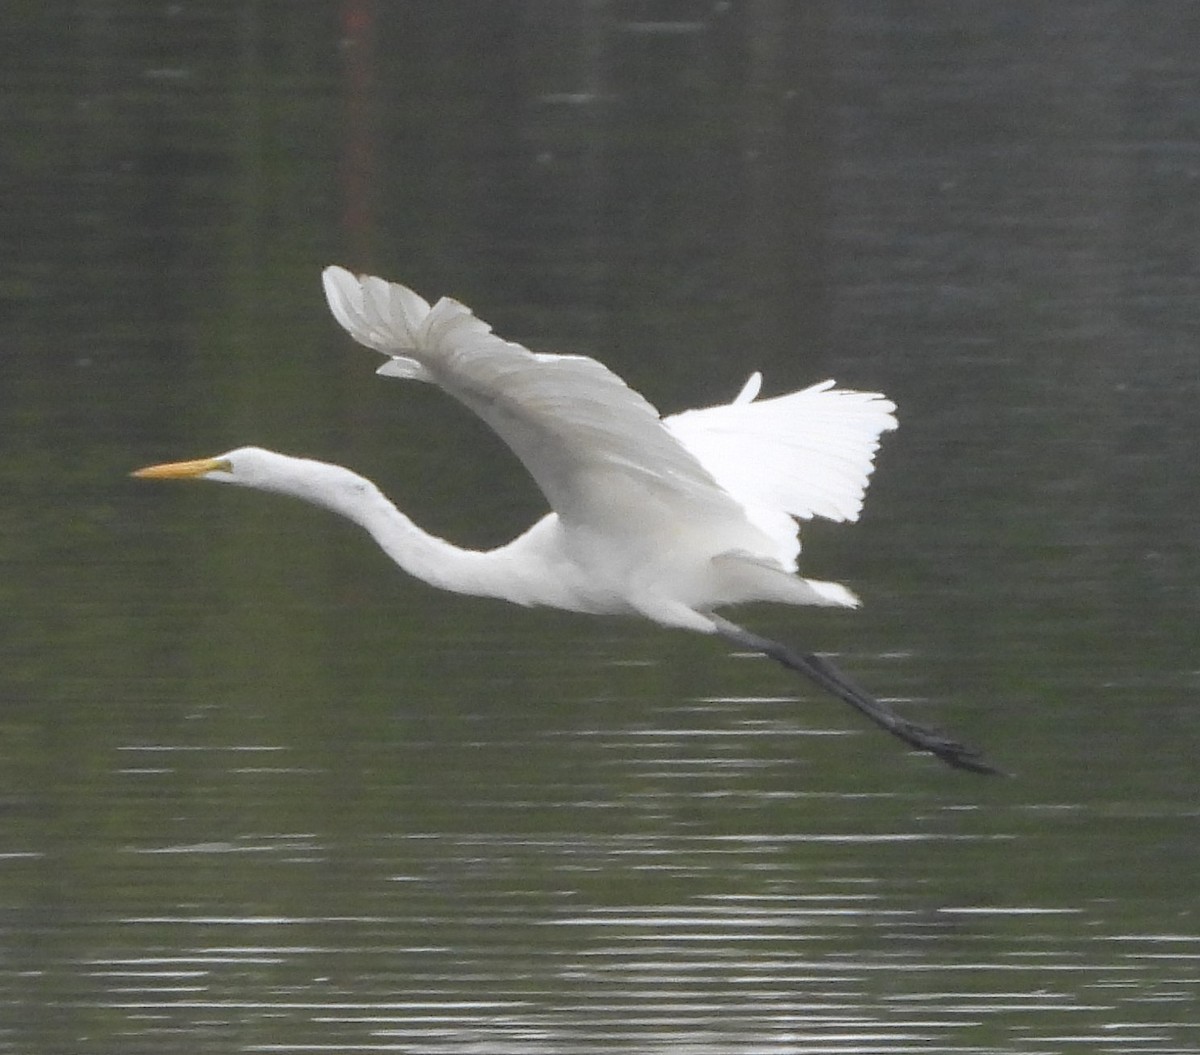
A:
[192,470]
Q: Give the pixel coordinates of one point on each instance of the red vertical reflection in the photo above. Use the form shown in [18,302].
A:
[358,38]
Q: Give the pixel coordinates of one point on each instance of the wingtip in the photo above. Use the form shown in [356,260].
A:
[337,282]
[343,294]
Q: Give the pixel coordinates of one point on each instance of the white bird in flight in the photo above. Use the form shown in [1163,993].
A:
[666,518]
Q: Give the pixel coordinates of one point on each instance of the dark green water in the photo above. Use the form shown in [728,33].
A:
[261,793]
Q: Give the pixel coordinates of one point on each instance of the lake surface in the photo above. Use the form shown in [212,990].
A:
[259,792]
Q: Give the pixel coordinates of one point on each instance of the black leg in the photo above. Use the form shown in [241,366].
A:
[832,680]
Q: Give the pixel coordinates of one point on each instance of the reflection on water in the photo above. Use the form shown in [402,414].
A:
[843,967]
[870,924]
[259,793]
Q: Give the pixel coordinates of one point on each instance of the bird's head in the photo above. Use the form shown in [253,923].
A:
[263,470]
[245,466]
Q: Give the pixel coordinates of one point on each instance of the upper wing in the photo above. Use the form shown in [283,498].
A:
[582,433]
[805,454]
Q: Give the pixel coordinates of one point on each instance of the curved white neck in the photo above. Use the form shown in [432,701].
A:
[422,555]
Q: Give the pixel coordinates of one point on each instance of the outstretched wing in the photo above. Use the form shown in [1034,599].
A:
[583,434]
[805,454]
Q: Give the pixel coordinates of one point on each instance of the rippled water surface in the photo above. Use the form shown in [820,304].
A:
[261,793]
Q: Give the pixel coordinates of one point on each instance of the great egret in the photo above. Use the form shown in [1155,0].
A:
[667,518]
